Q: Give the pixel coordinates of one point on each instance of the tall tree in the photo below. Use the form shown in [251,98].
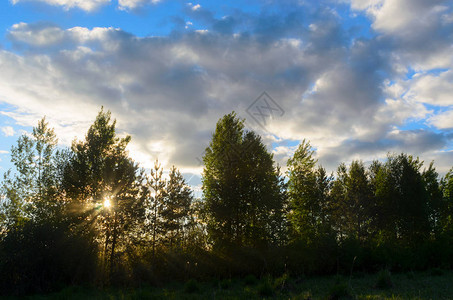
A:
[30,191]
[175,210]
[446,216]
[401,199]
[106,187]
[434,196]
[308,192]
[241,187]
[353,201]
[156,184]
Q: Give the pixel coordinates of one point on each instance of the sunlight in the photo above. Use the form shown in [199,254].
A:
[107,203]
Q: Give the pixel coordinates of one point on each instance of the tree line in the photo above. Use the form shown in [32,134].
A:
[89,214]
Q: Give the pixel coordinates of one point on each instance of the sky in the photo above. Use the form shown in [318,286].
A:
[357,78]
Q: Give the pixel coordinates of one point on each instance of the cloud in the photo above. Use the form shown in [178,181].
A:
[86,5]
[350,96]
[432,89]
[8,131]
[402,16]
[443,120]
[135,4]
[36,35]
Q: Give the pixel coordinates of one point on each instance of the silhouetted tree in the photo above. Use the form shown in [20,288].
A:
[175,209]
[401,198]
[106,187]
[353,201]
[156,185]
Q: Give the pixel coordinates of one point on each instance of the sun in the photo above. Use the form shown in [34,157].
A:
[107,203]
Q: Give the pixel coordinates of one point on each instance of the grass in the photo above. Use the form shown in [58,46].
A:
[416,285]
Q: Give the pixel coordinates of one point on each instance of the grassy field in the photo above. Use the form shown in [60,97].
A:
[434,284]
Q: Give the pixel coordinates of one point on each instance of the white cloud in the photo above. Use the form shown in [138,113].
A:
[400,16]
[134,4]
[4,152]
[432,89]
[86,5]
[7,131]
[40,35]
[168,92]
[443,120]
[195,7]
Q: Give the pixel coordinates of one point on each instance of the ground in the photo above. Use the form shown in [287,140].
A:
[432,284]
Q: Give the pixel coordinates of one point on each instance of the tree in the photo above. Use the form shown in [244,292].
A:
[353,201]
[175,210]
[30,191]
[446,216]
[106,187]
[435,200]
[241,187]
[308,192]
[401,199]
[156,184]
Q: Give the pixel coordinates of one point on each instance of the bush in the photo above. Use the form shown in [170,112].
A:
[225,284]
[266,289]
[339,290]
[281,282]
[250,280]
[437,272]
[191,286]
[384,280]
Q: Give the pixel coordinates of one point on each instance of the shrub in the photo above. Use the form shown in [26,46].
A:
[225,284]
[339,290]
[437,272]
[191,286]
[281,282]
[266,289]
[250,280]
[384,280]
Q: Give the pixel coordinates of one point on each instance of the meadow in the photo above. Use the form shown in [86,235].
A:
[432,284]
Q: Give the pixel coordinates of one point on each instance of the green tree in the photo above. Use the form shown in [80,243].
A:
[401,198]
[353,201]
[156,185]
[241,187]
[435,198]
[30,191]
[309,195]
[106,188]
[176,208]
[446,217]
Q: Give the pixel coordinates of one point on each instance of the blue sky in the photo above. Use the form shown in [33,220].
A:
[358,78]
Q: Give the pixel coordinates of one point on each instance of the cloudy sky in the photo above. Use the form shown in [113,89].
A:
[358,78]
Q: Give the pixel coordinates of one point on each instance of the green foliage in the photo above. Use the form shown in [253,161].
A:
[402,206]
[175,210]
[57,229]
[266,289]
[191,286]
[250,280]
[100,170]
[437,272]
[384,280]
[225,284]
[281,283]
[30,191]
[241,188]
[339,290]
[353,202]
